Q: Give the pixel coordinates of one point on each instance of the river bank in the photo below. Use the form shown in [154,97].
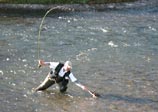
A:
[64,1]
[34,8]
[67,7]
[31,9]
[28,8]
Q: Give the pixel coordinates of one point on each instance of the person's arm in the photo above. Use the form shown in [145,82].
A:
[42,63]
[85,88]
[73,79]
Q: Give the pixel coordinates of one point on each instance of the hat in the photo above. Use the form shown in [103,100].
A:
[68,63]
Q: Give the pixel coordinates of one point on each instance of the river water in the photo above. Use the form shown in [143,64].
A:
[113,52]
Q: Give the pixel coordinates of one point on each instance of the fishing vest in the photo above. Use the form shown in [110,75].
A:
[56,73]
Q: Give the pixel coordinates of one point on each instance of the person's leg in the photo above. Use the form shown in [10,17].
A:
[45,84]
[63,85]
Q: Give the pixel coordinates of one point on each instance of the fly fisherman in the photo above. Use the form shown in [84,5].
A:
[60,74]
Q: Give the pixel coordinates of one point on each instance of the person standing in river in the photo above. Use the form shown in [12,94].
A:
[60,73]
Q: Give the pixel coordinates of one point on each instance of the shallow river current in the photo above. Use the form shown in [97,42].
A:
[113,52]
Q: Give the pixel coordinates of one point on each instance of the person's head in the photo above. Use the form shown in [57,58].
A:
[67,65]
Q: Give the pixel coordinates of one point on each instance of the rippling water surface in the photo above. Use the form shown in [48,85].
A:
[114,52]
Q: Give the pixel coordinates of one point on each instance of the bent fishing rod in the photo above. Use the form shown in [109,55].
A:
[39,33]
[40,28]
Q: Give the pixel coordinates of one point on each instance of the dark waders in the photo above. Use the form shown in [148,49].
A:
[62,82]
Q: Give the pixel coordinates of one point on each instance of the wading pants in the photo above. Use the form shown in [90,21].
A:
[50,81]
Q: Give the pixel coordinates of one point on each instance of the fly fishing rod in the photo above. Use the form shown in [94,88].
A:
[40,28]
[39,33]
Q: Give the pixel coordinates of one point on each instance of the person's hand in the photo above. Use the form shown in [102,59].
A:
[94,96]
[40,63]
[92,93]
